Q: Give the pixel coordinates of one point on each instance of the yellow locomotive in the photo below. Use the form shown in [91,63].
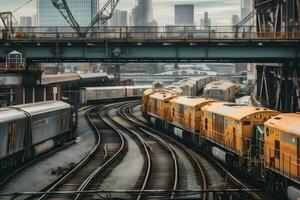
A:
[229,130]
[257,141]
[157,105]
[184,116]
[282,149]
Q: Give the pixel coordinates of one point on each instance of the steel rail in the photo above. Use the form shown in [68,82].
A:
[82,162]
[97,171]
[187,151]
[146,148]
[167,147]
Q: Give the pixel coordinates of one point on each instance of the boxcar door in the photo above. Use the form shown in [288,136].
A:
[277,154]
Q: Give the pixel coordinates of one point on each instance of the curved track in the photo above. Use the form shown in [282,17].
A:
[175,149]
[230,180]
[6,177]
[80,176]
[164,166]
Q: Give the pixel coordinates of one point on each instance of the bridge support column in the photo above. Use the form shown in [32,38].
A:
[278,87]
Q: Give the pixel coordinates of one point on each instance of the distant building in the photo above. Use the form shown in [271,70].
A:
[235,19]
[130,22]
[205,22]
[184,15]
[251,73]
[25,21]
[245,9]
[34,20]
[25,24]
[119,18]
[142,13]
[83,11]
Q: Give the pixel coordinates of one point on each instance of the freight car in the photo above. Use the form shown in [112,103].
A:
[113,93]
[282,153]
[221,90]
[31,129]
[229,131]
[158,104]
[185,115]
[192,86]
[255,141]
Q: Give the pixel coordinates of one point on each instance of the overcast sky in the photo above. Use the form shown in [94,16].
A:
[220,11]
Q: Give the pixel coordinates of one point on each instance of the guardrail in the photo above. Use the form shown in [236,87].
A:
[150,33]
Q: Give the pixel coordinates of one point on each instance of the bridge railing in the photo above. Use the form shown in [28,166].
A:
[148,32]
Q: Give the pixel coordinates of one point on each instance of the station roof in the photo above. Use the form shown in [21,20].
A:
[191,101]
[59,78]
[235,111]
[93,75]
[74,77]
[105,88]
[286,122]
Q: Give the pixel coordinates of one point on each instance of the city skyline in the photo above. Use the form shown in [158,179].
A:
[219,11]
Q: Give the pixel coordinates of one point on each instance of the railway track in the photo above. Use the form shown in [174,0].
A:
[155,179]
[6,177]
[93,164]
[162,167]
[231,181]
[161,171]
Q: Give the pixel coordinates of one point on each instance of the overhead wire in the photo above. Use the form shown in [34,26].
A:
[18,8]
[22,6]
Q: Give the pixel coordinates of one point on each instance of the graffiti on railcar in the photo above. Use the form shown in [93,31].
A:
[12,137]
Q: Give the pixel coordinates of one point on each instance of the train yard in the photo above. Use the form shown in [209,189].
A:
[78,122]
[131,159]
[162,146]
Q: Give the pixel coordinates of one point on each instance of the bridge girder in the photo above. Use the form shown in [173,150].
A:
[107,51]
[6,18]
[277,16]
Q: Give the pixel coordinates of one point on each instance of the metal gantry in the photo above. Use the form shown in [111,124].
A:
[277,16]
[278,85]
[6,18]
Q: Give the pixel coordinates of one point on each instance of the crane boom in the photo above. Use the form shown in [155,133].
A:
[63,8]
[104,14]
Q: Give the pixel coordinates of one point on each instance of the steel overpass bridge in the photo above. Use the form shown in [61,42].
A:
[151,44]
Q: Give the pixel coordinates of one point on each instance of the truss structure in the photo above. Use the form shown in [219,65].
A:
[104,14]
[277,16]
[6,18]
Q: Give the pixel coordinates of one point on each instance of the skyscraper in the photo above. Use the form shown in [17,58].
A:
[34,20]
[184,15]
[235,20]
[25,21]
[205,22]
[245,9]
[119,18]
[82,10]
[142,13]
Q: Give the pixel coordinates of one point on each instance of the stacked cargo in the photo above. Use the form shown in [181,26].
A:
[221,90]
[191,86]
